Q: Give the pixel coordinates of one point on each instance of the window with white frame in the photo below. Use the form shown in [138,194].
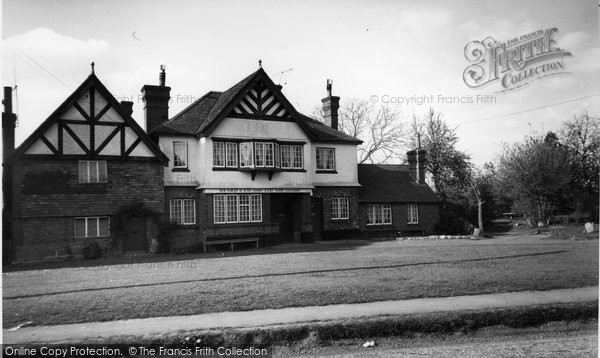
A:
[413,213]
[286,157]
[246,155]
[92,226]
[259,153]
[92,171]
[231,155]
[269,155]
[339,209]
[292,157]
[183,211]
[237,208]
[219,154]
[180,155]
[379,214]
[326,159]
[297,157]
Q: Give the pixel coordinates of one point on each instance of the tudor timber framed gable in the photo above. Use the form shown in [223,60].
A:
[90,124]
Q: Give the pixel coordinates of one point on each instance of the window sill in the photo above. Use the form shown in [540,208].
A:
[326,172]
[377,226]
[180,170]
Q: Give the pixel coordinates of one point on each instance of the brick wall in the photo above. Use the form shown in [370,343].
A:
[185,236]
[428,218]
[339,229]
[48,196]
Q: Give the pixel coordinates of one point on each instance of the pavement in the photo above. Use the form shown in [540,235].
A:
[98,331]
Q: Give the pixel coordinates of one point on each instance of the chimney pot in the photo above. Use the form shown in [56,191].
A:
[127,107]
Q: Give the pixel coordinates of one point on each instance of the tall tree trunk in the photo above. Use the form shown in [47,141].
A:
[480,215]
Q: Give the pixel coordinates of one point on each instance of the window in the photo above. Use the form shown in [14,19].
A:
[326,159]
[269,155]
[297,155]
[92,171]
[219,154]
[277,156]
[339,209]
[183,211]
[256,206]
[237,208]
[219,209]
[286,157]
[259,150]
[180,155]
[246,155]
[413,213]
[231,157]
[379,214]
[92,226]
[232,208]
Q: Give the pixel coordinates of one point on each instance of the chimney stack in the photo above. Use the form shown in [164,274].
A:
[421,163]
[156,102]
[412,164]
[9,122]
[331,104]
[127,107]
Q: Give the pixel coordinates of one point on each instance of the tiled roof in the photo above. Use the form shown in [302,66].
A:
[204,112]
[192,117]
[388,183]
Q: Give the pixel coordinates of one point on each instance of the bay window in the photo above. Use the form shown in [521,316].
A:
[246,155]
[263,154]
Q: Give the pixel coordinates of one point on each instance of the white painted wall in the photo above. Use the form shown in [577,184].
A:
[345,166]
[200,158]
[181,178]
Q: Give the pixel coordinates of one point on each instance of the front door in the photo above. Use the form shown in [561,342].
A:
[134,234]
[282,213]
[317,218]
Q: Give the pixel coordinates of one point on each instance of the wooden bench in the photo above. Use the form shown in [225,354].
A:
[231,242]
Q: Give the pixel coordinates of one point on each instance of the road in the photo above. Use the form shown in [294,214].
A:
[497,342]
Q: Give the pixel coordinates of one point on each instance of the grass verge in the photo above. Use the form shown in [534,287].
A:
[323,333]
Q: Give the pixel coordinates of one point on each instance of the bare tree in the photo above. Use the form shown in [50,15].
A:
[380,129]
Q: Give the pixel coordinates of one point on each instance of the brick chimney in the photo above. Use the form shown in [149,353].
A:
[127,107]
[331,104]
[156,102]
[421,163]
[412,164]
[9,122]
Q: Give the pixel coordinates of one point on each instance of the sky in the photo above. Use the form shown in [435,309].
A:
[392,51]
